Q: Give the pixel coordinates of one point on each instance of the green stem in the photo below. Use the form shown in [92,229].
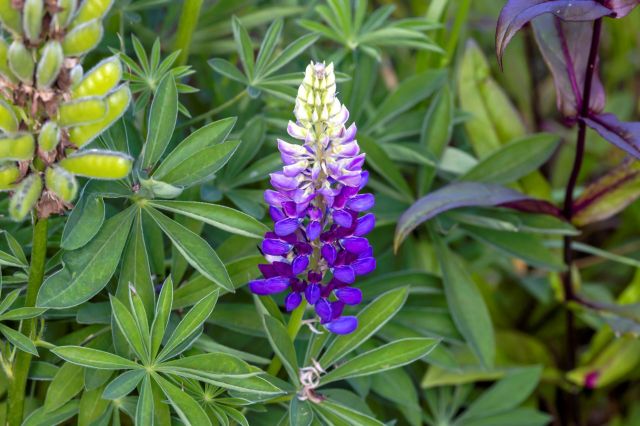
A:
[187,24]
[22,362]
[295,322]
[461,19]
[215,111]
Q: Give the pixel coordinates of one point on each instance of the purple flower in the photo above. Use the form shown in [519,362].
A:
[318,246]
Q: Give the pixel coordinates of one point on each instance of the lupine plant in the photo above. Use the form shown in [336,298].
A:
[339,212]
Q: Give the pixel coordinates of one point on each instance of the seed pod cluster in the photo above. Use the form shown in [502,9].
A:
[50,108]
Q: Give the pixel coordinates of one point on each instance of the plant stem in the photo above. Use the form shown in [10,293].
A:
[295,322]
[187,24]
[461,19]
[18,384]
[215,111]
[573,409]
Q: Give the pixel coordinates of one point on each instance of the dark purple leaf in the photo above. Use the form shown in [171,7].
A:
[531,205]
[464,194]
[624,135]
[565,48]
[621,7]
[516,13]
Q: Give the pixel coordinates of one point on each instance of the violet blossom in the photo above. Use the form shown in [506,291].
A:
[318,245]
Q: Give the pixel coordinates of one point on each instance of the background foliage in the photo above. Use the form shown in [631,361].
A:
[144,312]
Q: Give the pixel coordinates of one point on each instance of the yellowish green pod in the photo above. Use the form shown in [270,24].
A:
[50,64]
[61,182]
[76,75]
[82,111]
[99,164]
[21,62]
[26,195]
[67,8]
[100,80]
[19,147]
[32,14]
[8,120]
[83,38]
[92,9]
[118,102]
[9,174]
[10,17]
[49,136]
[4,62]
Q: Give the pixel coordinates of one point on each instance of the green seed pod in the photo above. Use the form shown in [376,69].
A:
[67,9]
[10,17]
[118,102]
[50,64]
[92,9]
[32,15]
[76,75]
[83,111]
[17,148]
[156,188]
[9,174]
[26,195]
[62,183]
[8,120]
[82,39]
[21,62]
[49,136]
[100,80]
[5,71]
[98,164]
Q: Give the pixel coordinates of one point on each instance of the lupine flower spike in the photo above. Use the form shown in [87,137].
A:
[318,246]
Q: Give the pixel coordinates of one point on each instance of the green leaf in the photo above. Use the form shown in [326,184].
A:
[381,163]
[122,385]
[21,314]
[144,410]
[189,411]
[87,270]
[387,357]
[163,312]
[290,52]
[8,301]
[370,320]
[244,46]
[227,69]
[268,46]
[190,323]
[195,250]
[214,366]
[162,121]
[515,160]
[466,304]
[130,329]
[505,394]
[84,221]
[350,416]
[18,340]
[42,417]
[517,417]
[222,217]
[93,358]
[66,384]
[252,139]
[283,346]
[300,413]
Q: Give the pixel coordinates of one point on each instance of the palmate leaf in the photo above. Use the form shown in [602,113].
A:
[122,385]
[94,358]
[283,346]
[144,410]
[162,121]
[19,340]
[66,384]
[42,417]
[130,329]
[189,411]
[162,314]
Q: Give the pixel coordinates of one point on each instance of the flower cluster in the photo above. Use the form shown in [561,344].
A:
[49,109]
[318,246]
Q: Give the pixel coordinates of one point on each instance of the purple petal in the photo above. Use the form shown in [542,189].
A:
[280,181]
[276,214]
[312,293]
[342,218]
[342,325]
[364,266]
[299,264]
[344,273]
[355,244]
[313,230]
[361,202]
[349,295]
[286,226]
[274,198]
[365,224]
[329,253]
[269,286]
[275,247]
[323,309]
[292,301]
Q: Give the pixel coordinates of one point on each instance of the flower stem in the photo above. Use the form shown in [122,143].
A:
[216,110]
[572,403]
[187,24]
[22,362]
[295,322]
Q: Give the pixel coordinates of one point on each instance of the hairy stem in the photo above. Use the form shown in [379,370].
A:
[573,409]
[187,24]
[295,322]
[22,361]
